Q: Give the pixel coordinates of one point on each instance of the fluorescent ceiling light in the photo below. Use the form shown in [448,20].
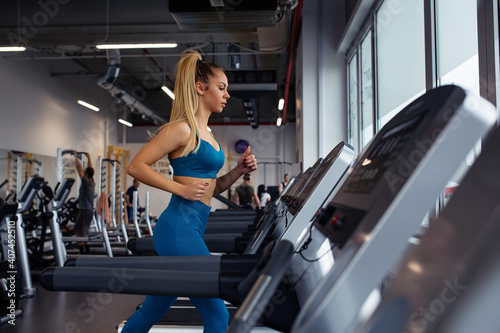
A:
[12,48]
[168,92]
[136,46]
[281,103]
[278,121]
[87,105]
[124,122]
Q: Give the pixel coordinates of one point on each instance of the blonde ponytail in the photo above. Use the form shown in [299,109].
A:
[185,104]
[189,70]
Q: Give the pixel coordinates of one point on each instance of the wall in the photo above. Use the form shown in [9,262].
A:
[320,81]
[39,112]
[268,143]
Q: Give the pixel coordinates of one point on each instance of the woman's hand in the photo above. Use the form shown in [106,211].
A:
[247,162]
[194,191]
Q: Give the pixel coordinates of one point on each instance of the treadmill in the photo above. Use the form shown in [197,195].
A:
[56,204]
[297,206]
[228,242]
[226,276]
[363,231]
[449,282]
[25,200]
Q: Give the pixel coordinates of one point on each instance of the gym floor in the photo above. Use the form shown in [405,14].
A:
[72,312]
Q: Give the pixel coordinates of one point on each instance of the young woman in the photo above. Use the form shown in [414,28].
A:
[200,89]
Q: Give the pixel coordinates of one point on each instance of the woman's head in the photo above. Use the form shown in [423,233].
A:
[212,91]
[261,189]
[196,82]
[191,71]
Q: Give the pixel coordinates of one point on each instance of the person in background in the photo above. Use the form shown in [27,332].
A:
[246,195]
[265,198]
[129,196]
[85,202]
[196,157]
[283,184]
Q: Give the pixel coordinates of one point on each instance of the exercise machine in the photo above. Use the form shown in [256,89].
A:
[212,276]
[362,232]
[449,282]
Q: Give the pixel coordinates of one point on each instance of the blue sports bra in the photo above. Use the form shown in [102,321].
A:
[205,163]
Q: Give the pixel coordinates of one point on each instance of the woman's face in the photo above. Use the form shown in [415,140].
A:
[215,94]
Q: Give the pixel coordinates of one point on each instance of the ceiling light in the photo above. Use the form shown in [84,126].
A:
[87,105]
[168,92]
[124,122]
[278,121]
[136,46]
[12,48]
[281,104]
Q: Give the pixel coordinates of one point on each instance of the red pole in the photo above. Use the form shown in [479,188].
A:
[297,15]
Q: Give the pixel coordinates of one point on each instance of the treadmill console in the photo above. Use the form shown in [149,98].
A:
[319,170]
[385,166]
[366,175]
[291,200]
[30,189]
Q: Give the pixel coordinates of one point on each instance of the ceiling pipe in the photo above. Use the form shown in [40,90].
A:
[297,15]
[108,82]
[159,55]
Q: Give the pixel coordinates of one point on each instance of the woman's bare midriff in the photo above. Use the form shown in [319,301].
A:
[209,191]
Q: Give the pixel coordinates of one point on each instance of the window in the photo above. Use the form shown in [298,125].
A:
[457,43]
[400,55]
[367,124]
[352,70]
[457,59]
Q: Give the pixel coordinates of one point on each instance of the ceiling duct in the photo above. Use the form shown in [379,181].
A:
[108,82]
[251,84]
[216,15]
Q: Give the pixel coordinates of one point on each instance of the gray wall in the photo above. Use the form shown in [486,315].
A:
[39,112]
[320,82]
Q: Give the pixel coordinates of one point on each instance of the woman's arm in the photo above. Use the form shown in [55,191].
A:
[172,137]
[246,164]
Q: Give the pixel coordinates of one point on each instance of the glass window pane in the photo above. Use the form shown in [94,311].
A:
[366,90]
[400,55]
[457,55]
[353,101]
[457,43]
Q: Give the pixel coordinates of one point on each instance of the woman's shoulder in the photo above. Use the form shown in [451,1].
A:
[176,130]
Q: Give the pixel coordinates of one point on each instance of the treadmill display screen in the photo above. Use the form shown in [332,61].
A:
[368,172]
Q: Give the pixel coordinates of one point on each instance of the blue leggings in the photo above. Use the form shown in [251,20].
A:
[179,232]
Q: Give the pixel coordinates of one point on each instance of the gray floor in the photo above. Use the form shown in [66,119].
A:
[72,312]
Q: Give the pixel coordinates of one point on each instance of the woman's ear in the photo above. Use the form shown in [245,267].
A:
[199,88]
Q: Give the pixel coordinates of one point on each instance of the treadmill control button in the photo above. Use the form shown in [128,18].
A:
[337,221]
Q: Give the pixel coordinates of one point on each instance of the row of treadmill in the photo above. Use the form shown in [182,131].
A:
[333,253]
